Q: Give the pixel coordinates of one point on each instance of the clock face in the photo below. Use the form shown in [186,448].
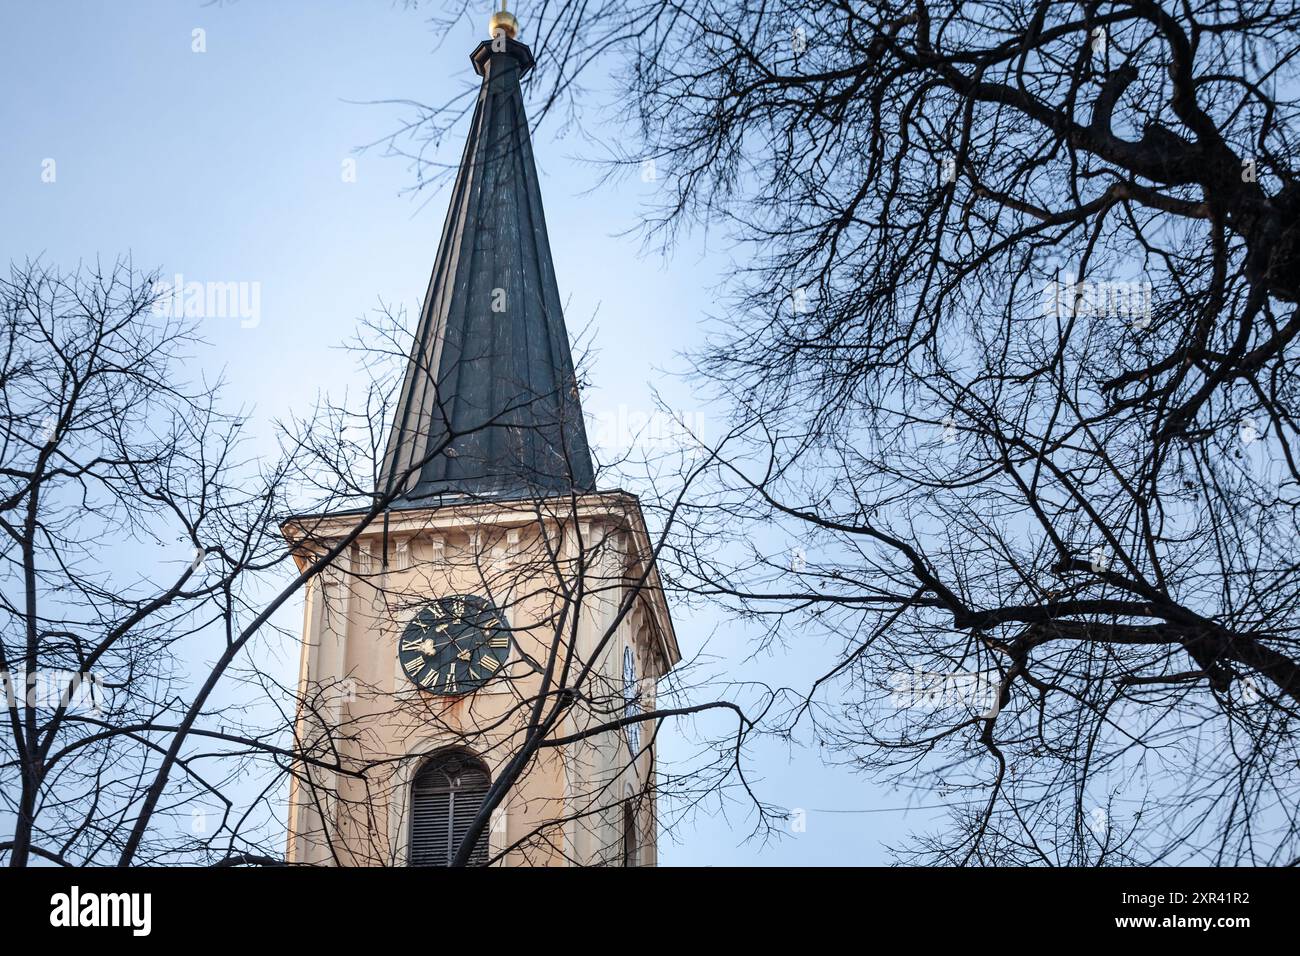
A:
[454,645]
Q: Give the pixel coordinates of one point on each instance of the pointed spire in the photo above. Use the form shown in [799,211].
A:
[491,365]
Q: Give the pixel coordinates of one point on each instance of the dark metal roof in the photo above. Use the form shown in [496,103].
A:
[491,368]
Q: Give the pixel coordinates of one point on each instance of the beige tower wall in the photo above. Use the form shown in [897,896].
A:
[359,711]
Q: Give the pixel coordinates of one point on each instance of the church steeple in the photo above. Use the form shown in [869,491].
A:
[491,366]
[439,642]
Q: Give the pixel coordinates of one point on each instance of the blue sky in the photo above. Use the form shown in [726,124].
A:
[227,165]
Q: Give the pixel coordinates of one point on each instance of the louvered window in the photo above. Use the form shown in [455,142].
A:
[445,797]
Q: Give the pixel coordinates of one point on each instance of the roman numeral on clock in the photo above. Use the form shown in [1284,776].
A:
[413,665]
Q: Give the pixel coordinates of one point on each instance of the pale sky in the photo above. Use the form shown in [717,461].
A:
[227,166]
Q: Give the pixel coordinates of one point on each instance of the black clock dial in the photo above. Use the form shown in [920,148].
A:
[454,645]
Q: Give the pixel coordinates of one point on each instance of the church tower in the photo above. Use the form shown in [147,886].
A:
[481,654]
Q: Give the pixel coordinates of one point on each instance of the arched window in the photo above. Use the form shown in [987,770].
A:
[445,797]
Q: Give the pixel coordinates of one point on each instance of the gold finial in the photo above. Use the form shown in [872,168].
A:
[503,19]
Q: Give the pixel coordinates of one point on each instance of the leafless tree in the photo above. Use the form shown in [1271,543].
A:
[1009,364]
[129,519]
[150,718]
[569,581]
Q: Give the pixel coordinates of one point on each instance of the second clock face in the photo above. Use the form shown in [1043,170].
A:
[454,645]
